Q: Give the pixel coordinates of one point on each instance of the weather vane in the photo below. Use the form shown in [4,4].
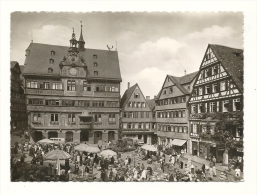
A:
[110,48]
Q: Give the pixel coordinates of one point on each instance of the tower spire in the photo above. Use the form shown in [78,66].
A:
[81,41]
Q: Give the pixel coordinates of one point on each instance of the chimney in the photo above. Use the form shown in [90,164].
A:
[128,85]
[155,97]
[185,72]
[147,97]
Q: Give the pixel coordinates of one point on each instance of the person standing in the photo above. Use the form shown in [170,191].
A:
[214,160]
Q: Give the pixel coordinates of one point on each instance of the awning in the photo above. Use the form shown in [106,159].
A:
[178,142]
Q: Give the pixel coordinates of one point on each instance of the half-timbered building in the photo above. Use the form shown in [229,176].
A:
[172,112]
[218,89]
[137,115]
[72,92]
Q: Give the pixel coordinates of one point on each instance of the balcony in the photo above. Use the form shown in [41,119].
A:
[44,91]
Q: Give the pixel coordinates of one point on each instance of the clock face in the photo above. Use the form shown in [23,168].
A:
[73,71]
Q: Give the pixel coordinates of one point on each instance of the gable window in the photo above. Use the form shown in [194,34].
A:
[71,85]
[95,73]
[112,118]
[222,86]
[95,64]
[207,89]
[232,85]
[136,95]
[143,105]
[52,53]
[225,105]
[130,104]
[214,88]
[171,89]
[215,70]
[200,91]
[50,70]
[164,92]
[175,100]
[212,107]
[94,56]
[188,87]
[236,104]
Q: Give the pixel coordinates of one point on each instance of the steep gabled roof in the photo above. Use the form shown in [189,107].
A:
[151,103]
[232,60]
[37,61]
[127,95]
[179,81]
[22,68]
[14,64]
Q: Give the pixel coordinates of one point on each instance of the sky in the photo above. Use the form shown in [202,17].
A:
[150,45]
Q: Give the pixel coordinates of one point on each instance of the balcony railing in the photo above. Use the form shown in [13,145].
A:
[54,123]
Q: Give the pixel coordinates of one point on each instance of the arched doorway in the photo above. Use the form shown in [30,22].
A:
[97,136]
[69,136]
[52,134]
[110,136]
[38,135]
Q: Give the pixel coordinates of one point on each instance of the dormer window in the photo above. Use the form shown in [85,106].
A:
[95,73]
[171,89]
[52,53]
[94,56]
[50,70]
[95,64]
[51,61]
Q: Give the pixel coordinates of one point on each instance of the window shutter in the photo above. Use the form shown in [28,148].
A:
[207,107]
[203,90]
[198,128]
[196,108]
[218,87]
[210,88]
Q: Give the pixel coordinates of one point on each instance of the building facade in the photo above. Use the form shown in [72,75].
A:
[136,115]
[72,92]
[172,113]
[218,89]
[18,103]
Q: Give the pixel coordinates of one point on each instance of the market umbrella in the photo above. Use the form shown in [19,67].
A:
[81,147]
[107,153]
[57,155]
[47,141]
[92,149]
[149,147]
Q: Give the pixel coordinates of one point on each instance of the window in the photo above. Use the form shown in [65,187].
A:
[135,114]
[94,56]
[130,125]
[215,70]
[147,125]
[95,64]
[112,118]
[56,85]
[32,84]
[183,113]
[138,104]
[36,117]
[232,85]
[176,128]
[166,102]
[140,125]
[207,89]
[52,53]
[175,100]
[193,108]
[130,104]
[44,85]
[134,104]
[124,125]
[214,88]
[86,87]
[172,128]
[179,114]
[143,105]
[222,86]
[136,95]
[98,118]
[95,73]
[131,115]
[136,126]
[236,104]
[212,107]
[180,129]
[200,91]
[225,105]
[200,108]
[194,130]
[164,92]
[183,99]
[95,104]
[71,85]
[125,114]
[50,70]
[142,114]
[51,61]
[184,129]
[54,117]
[171,89]
[168,114]
[101,104]
[56,102]
[71,118]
